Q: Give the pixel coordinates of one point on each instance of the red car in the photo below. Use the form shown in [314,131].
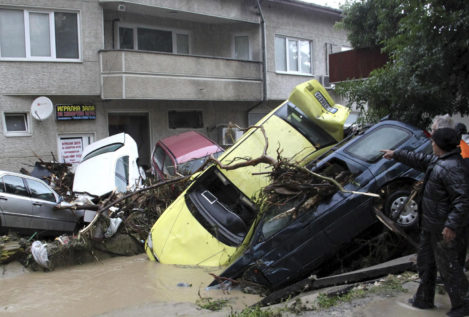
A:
[182,154]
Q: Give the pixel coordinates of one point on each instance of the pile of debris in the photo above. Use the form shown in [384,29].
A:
[58,175]
[120,227]
[13,248]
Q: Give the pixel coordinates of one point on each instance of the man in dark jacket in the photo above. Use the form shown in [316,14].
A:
[445,208]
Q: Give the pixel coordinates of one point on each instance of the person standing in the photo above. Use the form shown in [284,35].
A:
[462,130]
[445,207]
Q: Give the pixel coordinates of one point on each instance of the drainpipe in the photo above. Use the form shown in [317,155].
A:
[264,59]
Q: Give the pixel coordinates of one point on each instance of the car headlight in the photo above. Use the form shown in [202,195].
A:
[149,241]
[149,244]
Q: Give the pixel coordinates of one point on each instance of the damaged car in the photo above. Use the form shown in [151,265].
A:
[182,154]
[29,204]
[295,240]
[106,165]
[212,221]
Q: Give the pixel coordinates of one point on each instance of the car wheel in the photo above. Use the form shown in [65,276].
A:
[395,201]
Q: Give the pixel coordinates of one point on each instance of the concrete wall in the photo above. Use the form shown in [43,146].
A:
[54,78]
[297,22]
[144,75]
[63,82]
[211,25]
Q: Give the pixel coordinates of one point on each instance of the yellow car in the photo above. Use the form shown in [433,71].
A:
[211,222]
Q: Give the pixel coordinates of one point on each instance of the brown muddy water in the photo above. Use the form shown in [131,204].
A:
[118,286]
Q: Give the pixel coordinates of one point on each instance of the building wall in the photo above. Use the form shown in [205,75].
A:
[212,25]
[63,82]
[293,21]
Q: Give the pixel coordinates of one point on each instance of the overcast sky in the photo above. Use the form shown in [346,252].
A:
[328,3]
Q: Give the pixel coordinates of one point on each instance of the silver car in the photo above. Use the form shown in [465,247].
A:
[29,203]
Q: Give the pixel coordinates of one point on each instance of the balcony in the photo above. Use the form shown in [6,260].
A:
[127,74]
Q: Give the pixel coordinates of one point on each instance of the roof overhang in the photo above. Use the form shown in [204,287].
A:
[136,7]
[310,6]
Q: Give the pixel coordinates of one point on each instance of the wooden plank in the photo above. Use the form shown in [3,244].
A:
[406,263]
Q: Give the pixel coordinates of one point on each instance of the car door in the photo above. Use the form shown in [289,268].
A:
[44,215]
[15,203]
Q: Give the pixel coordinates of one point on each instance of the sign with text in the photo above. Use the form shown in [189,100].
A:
[75,112]
[71,149]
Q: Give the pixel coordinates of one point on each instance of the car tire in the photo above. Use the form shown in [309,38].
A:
[408,217]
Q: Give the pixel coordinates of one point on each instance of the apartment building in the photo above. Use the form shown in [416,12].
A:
[76,71]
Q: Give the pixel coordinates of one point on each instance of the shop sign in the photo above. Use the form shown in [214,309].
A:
[71,149]
[75,112]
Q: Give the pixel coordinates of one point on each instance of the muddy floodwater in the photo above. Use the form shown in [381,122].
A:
[134,286]
[113,287]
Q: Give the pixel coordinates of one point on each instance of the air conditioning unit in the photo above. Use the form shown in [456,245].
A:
[324,80]
[228,136]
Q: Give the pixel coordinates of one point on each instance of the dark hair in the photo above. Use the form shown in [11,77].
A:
[460,129]
[447,139]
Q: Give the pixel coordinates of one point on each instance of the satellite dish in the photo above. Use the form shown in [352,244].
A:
[41,108]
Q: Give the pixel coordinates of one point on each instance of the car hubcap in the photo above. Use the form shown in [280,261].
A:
[409,215]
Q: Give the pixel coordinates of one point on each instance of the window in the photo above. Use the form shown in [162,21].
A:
[220,207]
[300,121]
[16,124]
[241,47]
[158,157]
[152,39]
[122,174]
[40,191]
[15,185]
[169,168]
[185,119]
[126,38]
[182,43]
[369,146]
[292,55]
[190,167]
[38,35]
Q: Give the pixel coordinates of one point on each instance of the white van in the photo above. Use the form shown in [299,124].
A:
[107,165]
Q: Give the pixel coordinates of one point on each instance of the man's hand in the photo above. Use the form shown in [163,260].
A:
[388,154]
[448,234]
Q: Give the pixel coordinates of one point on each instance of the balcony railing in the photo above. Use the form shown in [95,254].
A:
[130,74]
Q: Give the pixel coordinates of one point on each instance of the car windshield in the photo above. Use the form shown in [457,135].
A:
[190,167]
[105,149]
[220,207]
[369,146]
[158,156]
[278,216]
[300,121]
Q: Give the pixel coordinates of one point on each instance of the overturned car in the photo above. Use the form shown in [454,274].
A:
[108,164]
[295,239]
[212,221]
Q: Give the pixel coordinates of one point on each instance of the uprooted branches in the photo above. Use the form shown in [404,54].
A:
[152,199]
[287,177]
